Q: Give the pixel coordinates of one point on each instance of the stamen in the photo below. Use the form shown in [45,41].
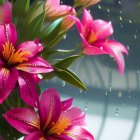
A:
[91,37]
[11,55]
[59,127]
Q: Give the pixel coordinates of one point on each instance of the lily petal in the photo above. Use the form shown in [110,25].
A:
[33,47]
[23,119]
[102,29]
[66,104]
[79,25]
[49,107]
[79,133]
[87,18]
[37,135]
[62,137]
[28,91]
[7,77]
[7,33]
[74,115]
[6,13]
[92,50]
[52,4]
[115,49]
[35,65]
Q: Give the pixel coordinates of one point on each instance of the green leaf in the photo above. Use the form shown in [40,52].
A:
[54,41]
[34,27]
[67,61]
[50,32]
[50,52]
[20,7]
[69,77]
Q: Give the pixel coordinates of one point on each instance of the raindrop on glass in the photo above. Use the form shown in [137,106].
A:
[110,88]
[106,93]
[120,94]
[99,7]
[128,48]
[80,90]
[86,106]
[65,36]
[130,21]
[63,83]
[120,18]
[117,112]
[135,36]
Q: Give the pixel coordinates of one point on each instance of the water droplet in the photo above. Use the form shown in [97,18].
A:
[106,93]
[120,94]
[99,7]
[65,36]
[130,21]
[128,48]
[110,88]
[80,90]
[86,106]
[120,18]
[108,10]
[63,83]
[101,48]
[117,112]
[135,36]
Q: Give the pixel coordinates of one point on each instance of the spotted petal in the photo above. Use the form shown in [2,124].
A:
[23,119]
[28,91]
[32,47]
[79,133]
[8,79]
[49,107]
[35,65]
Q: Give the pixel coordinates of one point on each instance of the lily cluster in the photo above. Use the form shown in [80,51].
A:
[24,54]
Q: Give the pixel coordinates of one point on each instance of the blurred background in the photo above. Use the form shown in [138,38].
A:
[112,102]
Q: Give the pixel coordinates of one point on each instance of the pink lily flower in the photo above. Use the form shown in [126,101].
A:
[54,10]
[94,35]
[54,120]
[86,2]
[20,63]
[6,13]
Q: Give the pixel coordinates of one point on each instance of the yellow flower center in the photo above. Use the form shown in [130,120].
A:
[12,56]
[91,37]
[59,127]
